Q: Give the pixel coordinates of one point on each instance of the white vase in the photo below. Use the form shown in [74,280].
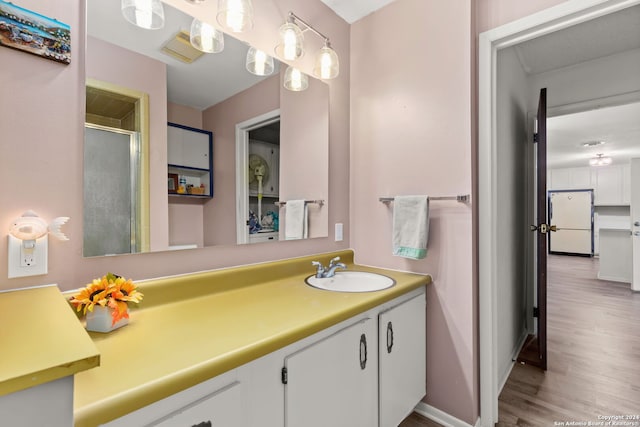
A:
[99,320]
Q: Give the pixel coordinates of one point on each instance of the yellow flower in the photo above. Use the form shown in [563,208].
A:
[94,293]
[111,291]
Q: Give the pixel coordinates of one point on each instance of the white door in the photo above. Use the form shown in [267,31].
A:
[402,359]
[333,383]
[635,222]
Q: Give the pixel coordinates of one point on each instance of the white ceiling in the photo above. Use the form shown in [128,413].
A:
[207,81]
[353,10]
[604,36]
[618,126]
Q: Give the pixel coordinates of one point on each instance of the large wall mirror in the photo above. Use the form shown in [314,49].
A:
[138,81]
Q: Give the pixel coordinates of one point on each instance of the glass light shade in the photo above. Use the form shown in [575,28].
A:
[327,65]
[147,14]
[600,160]
[235,15]
[291,39]
[258,62]
[205,37]
[295,79]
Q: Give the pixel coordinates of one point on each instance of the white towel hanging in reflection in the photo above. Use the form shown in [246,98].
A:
[296,220]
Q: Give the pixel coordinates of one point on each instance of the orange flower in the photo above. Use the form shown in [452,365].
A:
[111,291]
[94,293]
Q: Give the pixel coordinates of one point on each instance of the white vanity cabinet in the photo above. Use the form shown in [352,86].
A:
[402,347]
[213,403]
[333,382]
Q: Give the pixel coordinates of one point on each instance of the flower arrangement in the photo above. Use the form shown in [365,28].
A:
[111,291]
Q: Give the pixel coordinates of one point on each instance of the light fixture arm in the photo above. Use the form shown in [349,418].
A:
[292,18]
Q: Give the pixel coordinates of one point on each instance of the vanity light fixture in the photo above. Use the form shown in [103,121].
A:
[327,64]
[147,14]
[258,62]
[235,15]
[295,80]
[600,160]
[291,46]
[205,37]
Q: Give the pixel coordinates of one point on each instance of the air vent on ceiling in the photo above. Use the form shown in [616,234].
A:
[179,47]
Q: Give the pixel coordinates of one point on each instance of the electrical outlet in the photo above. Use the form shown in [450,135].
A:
[25,262]
[27,256]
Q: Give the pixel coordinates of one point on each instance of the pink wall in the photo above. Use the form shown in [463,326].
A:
[493,13]
[43,121]
[185,218]
[183,115]
[411,134]
[110,63]
[221,119]
[304,151]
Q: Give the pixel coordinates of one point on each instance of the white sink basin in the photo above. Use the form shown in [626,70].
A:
[352,281]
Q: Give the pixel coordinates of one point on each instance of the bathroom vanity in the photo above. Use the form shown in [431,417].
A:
[257,346]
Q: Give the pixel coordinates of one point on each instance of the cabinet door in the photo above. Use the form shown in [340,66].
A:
[402,359]
[188,147]
[220,409]
[608,187]
[334,382]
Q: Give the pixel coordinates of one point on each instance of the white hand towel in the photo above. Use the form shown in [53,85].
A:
[410,226]
[295,220]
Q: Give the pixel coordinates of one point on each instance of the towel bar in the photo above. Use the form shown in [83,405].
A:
[462,198]
[306,202]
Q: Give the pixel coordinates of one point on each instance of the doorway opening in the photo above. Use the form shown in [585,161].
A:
[257,178]
[491,200]
[117,127]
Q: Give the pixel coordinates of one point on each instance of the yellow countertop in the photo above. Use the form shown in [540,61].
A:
[219,321]
[41,339]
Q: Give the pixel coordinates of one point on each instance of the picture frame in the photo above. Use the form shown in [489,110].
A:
[31,32]
[172,183]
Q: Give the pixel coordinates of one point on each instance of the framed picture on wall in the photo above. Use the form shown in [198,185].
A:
[172,183]
[30,32]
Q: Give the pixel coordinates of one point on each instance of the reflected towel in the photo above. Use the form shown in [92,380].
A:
[410,226]
[295,220]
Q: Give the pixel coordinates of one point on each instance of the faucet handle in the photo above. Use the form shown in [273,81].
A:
[319,268]
[333,261]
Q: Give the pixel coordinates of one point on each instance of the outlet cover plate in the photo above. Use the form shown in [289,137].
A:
[16,252]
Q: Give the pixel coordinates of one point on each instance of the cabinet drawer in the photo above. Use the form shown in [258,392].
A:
[221,408]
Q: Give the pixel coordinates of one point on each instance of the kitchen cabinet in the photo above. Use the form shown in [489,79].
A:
[270,153]
[611,184]
[339,373]
[402,347]
[189,155]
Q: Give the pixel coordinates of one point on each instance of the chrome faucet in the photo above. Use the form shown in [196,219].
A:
[323,272]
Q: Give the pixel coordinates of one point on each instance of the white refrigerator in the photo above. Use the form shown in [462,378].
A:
[571,211]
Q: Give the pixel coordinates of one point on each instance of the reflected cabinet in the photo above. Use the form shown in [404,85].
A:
[190,163]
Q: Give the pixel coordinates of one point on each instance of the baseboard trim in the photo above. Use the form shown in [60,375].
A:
[514,356]
[614,278]
[441,417]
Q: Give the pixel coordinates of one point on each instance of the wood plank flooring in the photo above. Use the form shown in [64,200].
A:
[593,348]
[594,355]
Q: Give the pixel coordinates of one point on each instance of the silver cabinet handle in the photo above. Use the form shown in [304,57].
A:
[637,223]
[636,233]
